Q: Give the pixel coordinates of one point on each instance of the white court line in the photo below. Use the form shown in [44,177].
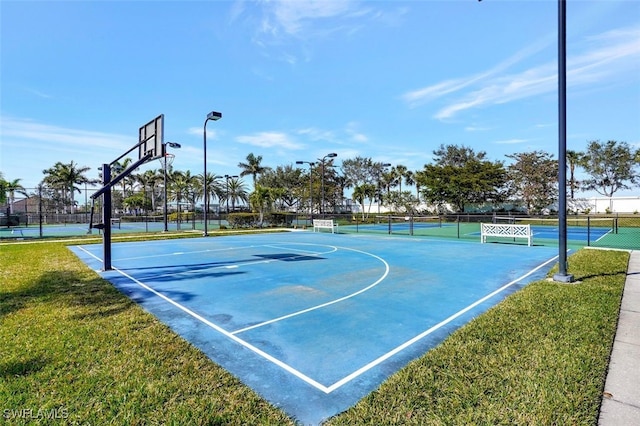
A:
[222,331]
[422,335]
[313,308]
[360,371]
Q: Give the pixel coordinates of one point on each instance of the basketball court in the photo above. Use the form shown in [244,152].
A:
[314,322]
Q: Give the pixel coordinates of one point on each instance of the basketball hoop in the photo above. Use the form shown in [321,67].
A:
[167,160]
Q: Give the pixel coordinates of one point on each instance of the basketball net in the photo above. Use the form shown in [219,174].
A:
[167,160]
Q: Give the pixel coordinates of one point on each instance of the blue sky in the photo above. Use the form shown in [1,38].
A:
[297,79]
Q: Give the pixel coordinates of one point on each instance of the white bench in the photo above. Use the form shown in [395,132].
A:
[506,230]
[325,223]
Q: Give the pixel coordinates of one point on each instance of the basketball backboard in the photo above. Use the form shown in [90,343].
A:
[151,139]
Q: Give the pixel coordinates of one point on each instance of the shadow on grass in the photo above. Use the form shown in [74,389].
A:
[71,289]
[10,369]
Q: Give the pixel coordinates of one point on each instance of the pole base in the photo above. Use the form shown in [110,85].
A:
[568,278]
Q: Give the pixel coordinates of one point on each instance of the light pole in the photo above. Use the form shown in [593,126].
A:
[562,275]
[311,164]
[164,157]
[331,155]
[212,116]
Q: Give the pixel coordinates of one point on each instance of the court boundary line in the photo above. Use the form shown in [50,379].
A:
[222,331]
[425,333]
[302,376]
[323,305]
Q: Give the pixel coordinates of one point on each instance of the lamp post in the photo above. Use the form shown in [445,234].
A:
[212,116]
[562,274]
[311,164]
[164,156]
[331,155]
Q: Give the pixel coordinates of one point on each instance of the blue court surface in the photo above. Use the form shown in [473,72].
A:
[314,322]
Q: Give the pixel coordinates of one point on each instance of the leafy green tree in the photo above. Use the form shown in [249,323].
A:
[138,201]
[612,166]
[533,176]
[461,176]
[360,170]
[403,202]
[290,182]
[456,156]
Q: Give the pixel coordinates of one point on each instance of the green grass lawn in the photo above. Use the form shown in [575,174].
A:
[75,348]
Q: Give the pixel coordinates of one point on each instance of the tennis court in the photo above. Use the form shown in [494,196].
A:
[314,321]
[580,232]
[82,229]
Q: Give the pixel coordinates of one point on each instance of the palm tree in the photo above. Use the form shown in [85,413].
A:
[574,159]
[120,167]
[3,190]
[236,192]
[361,192]
[409,178]
[387,181]
[65,178]
[252,167]
[261,199]
[147,181]
[399,172]
[215,188]
[12,187]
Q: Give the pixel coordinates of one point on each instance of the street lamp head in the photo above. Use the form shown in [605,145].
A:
[173,145]
[299,162]
[332,155]
[214,116]
[386,165]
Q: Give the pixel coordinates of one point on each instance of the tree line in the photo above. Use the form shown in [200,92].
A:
[458,177]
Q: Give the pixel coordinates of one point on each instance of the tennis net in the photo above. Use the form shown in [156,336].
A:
[584,223]
[407,224]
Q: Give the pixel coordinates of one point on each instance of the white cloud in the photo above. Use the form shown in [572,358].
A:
[284,28]
[354,134]
[269,140]
[199,131]
[426,94]
[511,141]
[28,131]
[608,57]
[317,134]
[292,16]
